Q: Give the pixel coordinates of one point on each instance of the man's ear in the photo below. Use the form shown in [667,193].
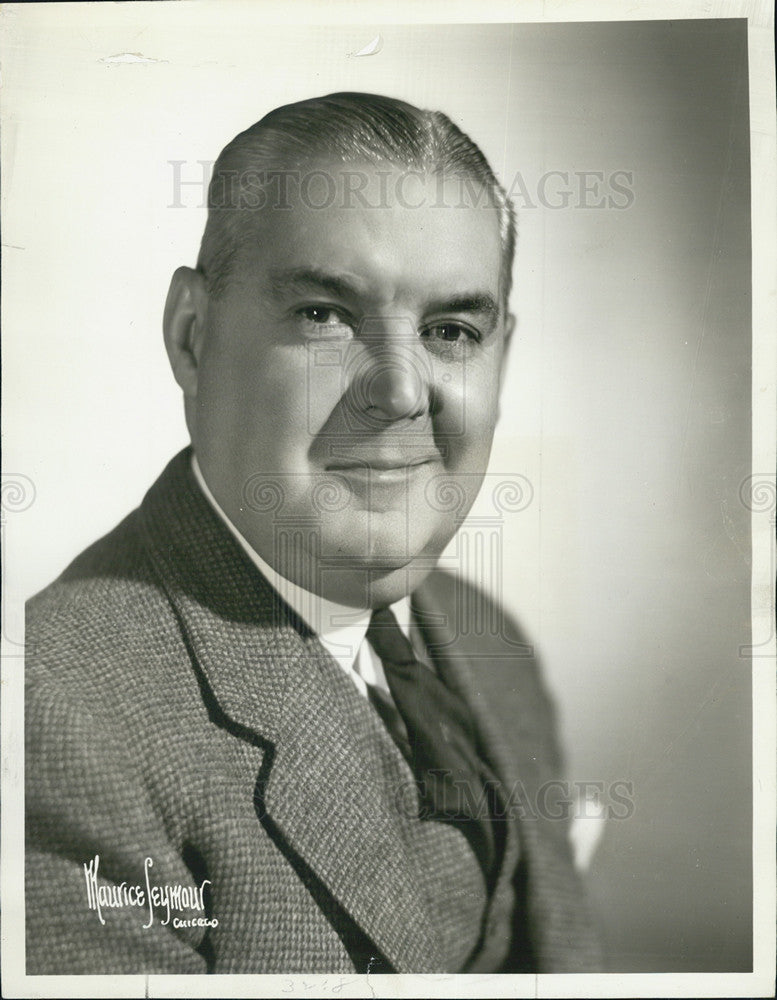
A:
[184,325]
[508,336]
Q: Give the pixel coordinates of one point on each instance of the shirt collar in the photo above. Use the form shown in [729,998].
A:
[340,628]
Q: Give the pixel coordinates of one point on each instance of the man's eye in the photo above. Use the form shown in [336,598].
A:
[322,315]
[326,321]
[449,332]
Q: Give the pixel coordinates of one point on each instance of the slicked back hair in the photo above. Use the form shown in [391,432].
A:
[345,128]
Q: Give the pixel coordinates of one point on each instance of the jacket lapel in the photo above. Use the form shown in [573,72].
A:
[458,667]
[340,819]
[274,684]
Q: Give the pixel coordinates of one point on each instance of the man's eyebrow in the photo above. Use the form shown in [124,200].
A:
[469,302]
[303,279]
[478,303]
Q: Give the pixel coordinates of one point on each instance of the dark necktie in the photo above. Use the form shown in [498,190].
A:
[455,785]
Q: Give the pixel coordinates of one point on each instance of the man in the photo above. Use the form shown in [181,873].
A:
[258,742]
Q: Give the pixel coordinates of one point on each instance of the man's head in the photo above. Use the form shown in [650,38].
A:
[340,344]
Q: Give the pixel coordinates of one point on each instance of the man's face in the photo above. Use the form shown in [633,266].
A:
[347,381]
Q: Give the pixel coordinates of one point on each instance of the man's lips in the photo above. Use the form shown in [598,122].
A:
[381,463]
[386,471]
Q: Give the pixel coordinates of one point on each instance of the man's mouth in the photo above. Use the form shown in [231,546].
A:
[383,469]
[381,463]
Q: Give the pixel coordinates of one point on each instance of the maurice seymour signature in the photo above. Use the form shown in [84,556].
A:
[171,897]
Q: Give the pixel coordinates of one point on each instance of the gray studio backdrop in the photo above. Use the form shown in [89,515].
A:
[627,400]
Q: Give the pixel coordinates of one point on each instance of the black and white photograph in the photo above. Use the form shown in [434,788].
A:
[388,499]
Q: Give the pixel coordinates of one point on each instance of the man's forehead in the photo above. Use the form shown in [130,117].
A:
[361,221]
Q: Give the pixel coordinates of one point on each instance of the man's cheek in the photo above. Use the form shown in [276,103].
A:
[465,414]
[321,384]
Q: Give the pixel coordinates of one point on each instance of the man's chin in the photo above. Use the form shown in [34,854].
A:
[393,586]
[374,585]
[378,542]
[379,572]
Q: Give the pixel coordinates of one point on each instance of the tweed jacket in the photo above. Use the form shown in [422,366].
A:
[178,711]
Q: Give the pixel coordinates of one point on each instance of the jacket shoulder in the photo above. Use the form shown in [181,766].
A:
[105,616]
[99,580]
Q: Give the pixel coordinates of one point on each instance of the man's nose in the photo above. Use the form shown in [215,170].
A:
[395,377]
[395,389]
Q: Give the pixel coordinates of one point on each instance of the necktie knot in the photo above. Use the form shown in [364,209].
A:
[388,640]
